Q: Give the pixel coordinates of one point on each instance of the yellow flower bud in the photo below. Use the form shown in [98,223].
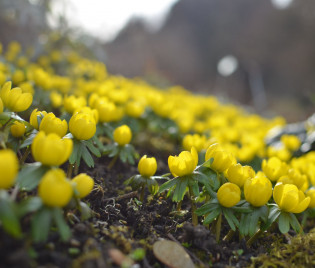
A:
[107,111]
[14,99]
[291,142]
[195,140]
[52,124]
[18,77]
[238,174]
[9,166]
[294,177]
[135,109]
[311,194]
[183,164]
[147,166]
[34,119]
[289,198]
[88,110]
[17,129]
[83,184]
[54,188]
[212,149]
[222,160]
[258,190]
[27,87]
[82,126]
[122,135]
[274,168]
[50,149]
[72,103]
[229,194]
[56,99]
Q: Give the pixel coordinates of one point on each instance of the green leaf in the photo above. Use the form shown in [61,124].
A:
[98,143]
[253,222]
[88,159]
[204,180]
[9,218]
[86,211]
[284,222]
[230,217]
[62,225]
[207,207]
[74,154]
[41,223]
[194,187]
[208,163]
[294,223]
[243,207]
[180,190]
[167,185]
[30,205]
[153,186]
[29,140]
[30,175]
[211,216]
[92,148]
[272,217]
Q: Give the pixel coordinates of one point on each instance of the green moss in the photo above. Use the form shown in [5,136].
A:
[298,252]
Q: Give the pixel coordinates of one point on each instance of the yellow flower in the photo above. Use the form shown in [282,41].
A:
[18,77]
[195,140]
[88,110]
[122,135]
[258,190]
[9,166]
[82,126]
[274,168]
[34,117]
[17,129]
[147,166]
[27,87]
[238,174]
[72,103]
[291,142]
[289,198]
[135,109]
[56,99]
[54,188]
[52,124]
[14,99]
[108,111]
[50,149]
[1,106]
[311,194]
[83,184]
[183,164]
[295,177]
[222,160]
[229,194]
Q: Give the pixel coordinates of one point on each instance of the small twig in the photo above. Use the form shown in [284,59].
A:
[229,235]
[124,196]
[15,192]
[69,172]
[192,255]
[253,238]
[218,228]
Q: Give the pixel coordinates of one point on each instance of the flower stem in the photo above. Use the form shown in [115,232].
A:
[229,235]
[218,228]
[253,238]
[69,172]
[142,194]
[179,205]
[25,155]
[193,208]
[112,163]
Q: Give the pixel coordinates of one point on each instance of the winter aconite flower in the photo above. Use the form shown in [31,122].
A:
[54,188]
[17,129]
[222,159]
[184,163]
[238,174]
[14,99]
[274,168]
[311,194]
[258,190]
[52,124]
[1,106]
[229,194]
[83,184]
[289,198]
[50,149]
[35,116]
[147,166]
[122,135]
[9,165]
[82,126]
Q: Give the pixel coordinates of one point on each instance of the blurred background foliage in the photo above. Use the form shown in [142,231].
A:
[274,48]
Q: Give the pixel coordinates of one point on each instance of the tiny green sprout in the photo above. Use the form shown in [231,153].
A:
[147,167]
[138,254]
[121,148]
